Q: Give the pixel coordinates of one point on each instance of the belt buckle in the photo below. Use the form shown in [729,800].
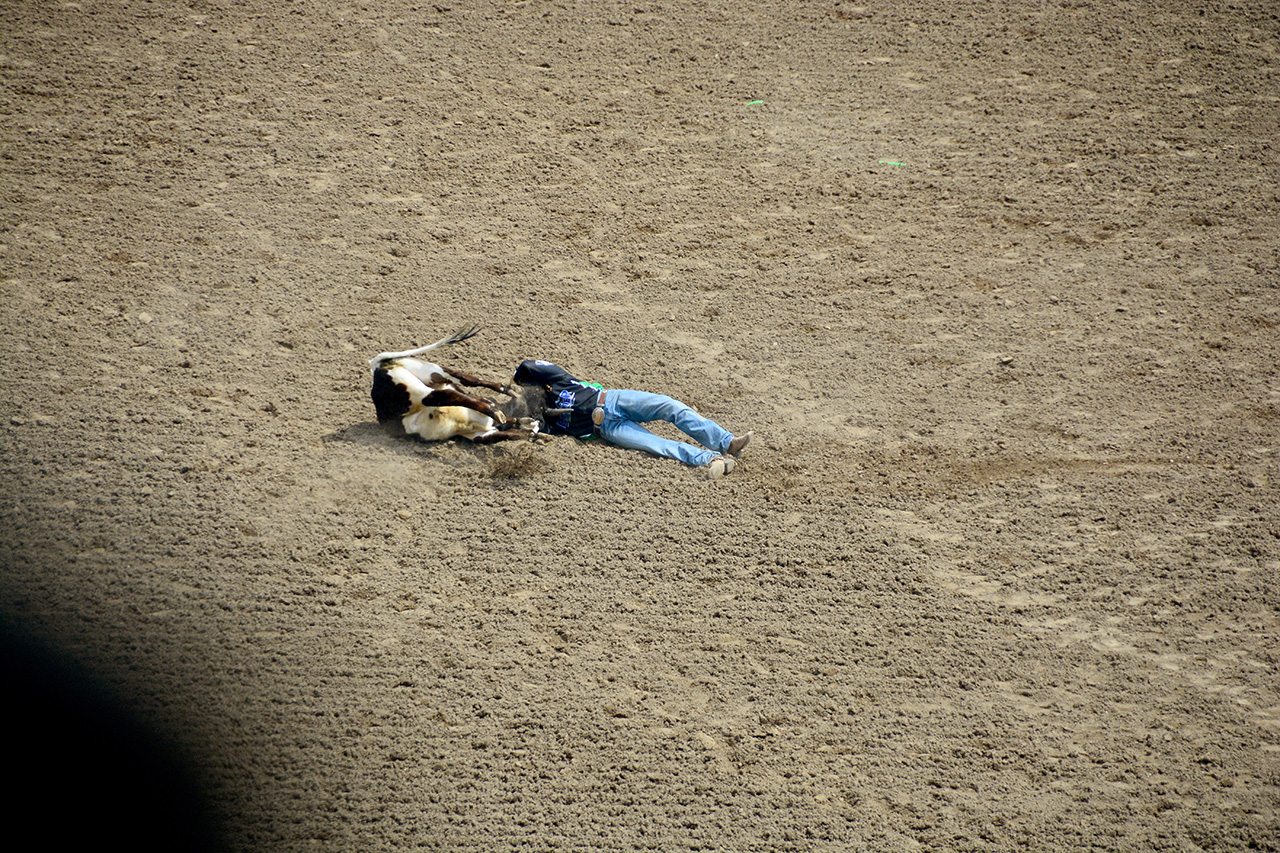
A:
[597,414]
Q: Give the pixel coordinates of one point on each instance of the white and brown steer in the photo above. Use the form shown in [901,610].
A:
[427,401]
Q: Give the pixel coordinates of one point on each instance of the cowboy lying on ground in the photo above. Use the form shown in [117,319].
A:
[616,416]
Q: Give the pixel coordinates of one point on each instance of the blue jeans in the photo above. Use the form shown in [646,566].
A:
[624,411]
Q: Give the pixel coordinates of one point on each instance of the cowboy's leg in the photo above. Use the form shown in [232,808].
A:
[629,434]
[642,406]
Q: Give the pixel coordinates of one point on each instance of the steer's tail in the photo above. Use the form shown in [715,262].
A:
[460,335]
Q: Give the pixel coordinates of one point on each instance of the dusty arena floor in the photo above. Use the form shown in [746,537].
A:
[996,285]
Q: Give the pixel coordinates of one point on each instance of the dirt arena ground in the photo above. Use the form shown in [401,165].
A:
[996,285]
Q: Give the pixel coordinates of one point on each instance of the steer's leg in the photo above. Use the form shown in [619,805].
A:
[454,397]
[476,382]
[496,435]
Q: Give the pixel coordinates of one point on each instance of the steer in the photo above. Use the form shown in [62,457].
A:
[427,401]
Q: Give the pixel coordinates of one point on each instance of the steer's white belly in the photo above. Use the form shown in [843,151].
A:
[438,423]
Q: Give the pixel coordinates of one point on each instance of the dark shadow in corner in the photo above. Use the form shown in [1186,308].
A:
[77,747]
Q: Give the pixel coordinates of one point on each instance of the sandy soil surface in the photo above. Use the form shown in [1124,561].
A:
[996,285]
